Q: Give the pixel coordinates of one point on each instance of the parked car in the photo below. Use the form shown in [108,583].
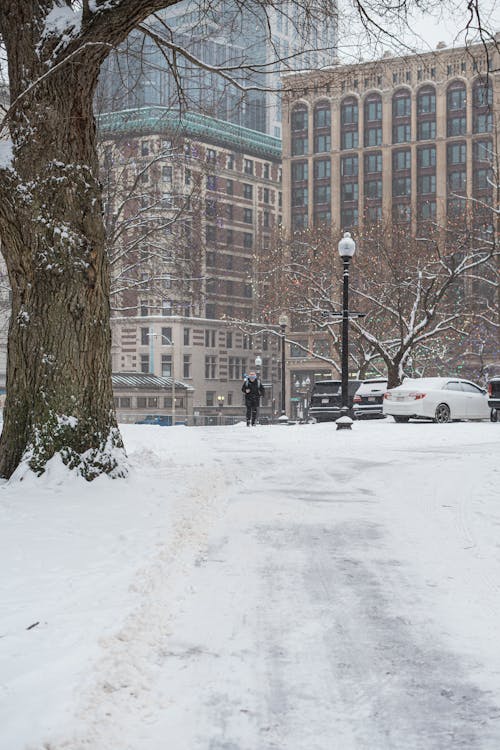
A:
[440,399]
[369,399]
[159,419]
[326,399]
[494,399]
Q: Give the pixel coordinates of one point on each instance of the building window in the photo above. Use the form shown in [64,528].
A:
[166,365]
[186,366]
[426,184]
[210,398]
[211,182]
[299,171]
[373,189]
[322,118]
[373,162]
[299,119]
[265,171]
[230,161]
[229,340]
[427,210]
[322,142]
[229,187]
[187,336]
[247,290]
[247,241]
[247,215]
[210,258]
[265,195]
[401,160]
[166,174]
[401,104]
[426,101]
[456,96]
[401,133]
[322,169]
[322,194]
[247,191]
[426,130]
[210,337]
[144,363]
[457,153]
[426,157]
[373,108]
[299,146]
[349,166]
[144,336]
[373,136]
[166,336]
[299,196]
[350,139]
[211,155]
[483,123]
[144,309]
[457,125]
[483,151]
[401,186]
[350,191]
[349,217]
[248,166]
[142,402]
[349,112]
[265,219]
[457,180]
[210,367]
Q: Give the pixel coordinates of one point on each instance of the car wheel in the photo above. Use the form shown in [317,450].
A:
[494,415]
[442,414]
[399,418]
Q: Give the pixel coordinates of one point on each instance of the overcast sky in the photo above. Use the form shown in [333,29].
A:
[422,32]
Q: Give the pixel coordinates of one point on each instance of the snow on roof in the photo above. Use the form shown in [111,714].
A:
[145,380]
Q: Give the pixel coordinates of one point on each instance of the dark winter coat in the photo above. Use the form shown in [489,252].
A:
[253,390]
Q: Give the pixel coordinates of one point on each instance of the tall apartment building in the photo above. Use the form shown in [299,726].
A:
[225,34]
[414,138]
[187,201]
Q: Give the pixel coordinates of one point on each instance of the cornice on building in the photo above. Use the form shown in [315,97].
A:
[149,120]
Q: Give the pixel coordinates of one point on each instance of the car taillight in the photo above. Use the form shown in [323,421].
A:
[357,399]
[417,396]
[490,389]
[387,395]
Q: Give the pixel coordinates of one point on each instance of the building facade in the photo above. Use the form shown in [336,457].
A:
[207,357]
[187,204]
[412,138]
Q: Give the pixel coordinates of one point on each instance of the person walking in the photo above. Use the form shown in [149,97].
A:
[254,390]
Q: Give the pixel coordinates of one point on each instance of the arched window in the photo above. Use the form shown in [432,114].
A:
[456,104]
[401,116]
[349,123]
[373,120]
[482,101]
[322,123]
[299,128]
[426,113]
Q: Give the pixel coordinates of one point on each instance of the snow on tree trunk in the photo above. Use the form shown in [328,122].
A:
[59,393]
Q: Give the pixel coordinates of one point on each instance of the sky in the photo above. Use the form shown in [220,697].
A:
[422,32]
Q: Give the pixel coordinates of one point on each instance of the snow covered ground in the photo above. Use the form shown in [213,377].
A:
[276,588]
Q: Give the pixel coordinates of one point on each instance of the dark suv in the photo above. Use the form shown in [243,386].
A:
[326,399]
[494,399]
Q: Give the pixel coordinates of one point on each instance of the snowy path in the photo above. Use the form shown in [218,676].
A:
[318,591]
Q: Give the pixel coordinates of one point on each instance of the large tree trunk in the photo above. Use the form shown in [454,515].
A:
[59,394]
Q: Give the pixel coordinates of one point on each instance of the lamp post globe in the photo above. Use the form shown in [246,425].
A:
[347,248]
[258,364]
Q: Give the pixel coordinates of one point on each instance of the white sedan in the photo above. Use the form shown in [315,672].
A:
[440,399]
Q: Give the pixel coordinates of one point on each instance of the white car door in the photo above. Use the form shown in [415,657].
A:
[477,401]
[456,399]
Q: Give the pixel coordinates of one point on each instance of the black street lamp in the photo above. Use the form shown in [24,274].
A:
[347,247]
[283,321]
